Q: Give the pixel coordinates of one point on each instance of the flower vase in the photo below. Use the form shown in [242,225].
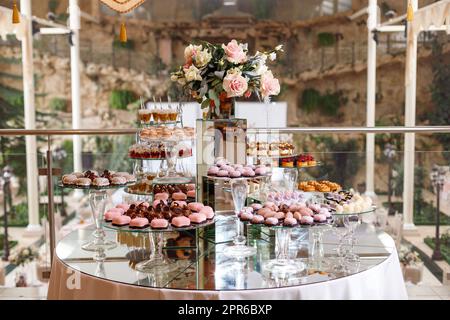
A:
[225,110]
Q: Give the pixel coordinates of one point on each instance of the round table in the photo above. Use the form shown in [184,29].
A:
[205,273]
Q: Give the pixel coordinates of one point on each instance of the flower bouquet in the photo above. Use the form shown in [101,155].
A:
[21,259]
[411,264]
[214,75]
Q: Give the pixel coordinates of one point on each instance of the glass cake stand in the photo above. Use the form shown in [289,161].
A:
[158,262]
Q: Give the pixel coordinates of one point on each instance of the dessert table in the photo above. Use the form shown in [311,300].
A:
[207,273]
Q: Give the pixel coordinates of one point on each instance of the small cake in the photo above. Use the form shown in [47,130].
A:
[118,180]
[69,179]
[119,210]
[246,216]
[257,219]
[306,212]
[163,196]
[271,221]
[261,171]
[195,206]
[157,202]
[279,215]
[290,222]
[306,220]
[191,194]
[235,174]
[100,182]
[222,173]
[212,171]
[78,174]
[123,206]
[110,215]
[265,211]
[83,182]
[208,212]
[121,220]
[256,206]
[139,223]
[181,222]
[197,218]
[179,196]
[248,173]
[159,223]
[320,218]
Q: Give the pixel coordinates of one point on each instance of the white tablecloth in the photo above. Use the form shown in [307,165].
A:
[384,281]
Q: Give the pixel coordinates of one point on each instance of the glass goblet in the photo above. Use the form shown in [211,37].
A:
[239,249]
[97,201]
[351,222]
[290,179]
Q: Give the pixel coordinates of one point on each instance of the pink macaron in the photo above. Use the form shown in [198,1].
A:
[159,223]
[110,215]
[191,194]
[161,196]
[195,206]
[197,217]
[208,212]
[181,222]
[179,196]
[139,223]
[121,220]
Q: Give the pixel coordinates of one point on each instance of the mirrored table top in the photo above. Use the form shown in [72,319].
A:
[201,264]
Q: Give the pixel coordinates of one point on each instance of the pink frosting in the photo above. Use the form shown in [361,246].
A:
[235,174]
[325,212]
[261,171]
[191,193]
[246,216]
[162,196]
[120,210]
[256,206]
[197,217]
[257,219]
[195,206]
[121,220]
[139,222]
[213,171]
[306,220]
[181,221]
[110,215]
[248,173]
[123,206]
[264,211]
[320,217]
[290,222]
[159,223]
[190,186]
[272,221]
[207,210]
[179,196]
[289,215]
[222,173]
[306,212]
[279,215]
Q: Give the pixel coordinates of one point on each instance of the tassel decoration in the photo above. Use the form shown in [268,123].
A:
[123,33]
[16,14]
[409,12]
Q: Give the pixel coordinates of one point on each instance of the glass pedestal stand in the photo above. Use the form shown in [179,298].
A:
[170,175]
[97,201]
[157,262]
[282,266]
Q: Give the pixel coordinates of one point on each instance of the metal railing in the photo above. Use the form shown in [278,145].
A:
[308,130]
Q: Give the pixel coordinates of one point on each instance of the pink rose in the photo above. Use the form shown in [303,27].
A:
[234,52]
[270,86]
[235,85]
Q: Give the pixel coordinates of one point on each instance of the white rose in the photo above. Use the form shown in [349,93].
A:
[192,74]
[190,51]
[279,47]
[174,78]
[272,56]
[235,71]
[261,68]
[202,58]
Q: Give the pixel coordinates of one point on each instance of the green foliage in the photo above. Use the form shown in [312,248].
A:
[445,246]
[12,244]
[328,103]
[439,115]
[12,96]
[326,39]
[120,99]
[19,215]
[58,104]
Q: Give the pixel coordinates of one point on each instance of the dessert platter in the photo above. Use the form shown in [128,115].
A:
[91,179]
[319,186]
[224,170]
[273,149]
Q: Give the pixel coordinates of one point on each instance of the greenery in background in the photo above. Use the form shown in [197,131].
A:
[439,115]
[326,39]
[12,243]
[111,153]
[120,99]
[261,8]
[427,216]
[18,217]
[58,104]
[445,245]
[419,182]
[328,103]
[342,158]
[156,65]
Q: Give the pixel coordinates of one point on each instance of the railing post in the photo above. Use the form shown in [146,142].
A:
[51,217]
